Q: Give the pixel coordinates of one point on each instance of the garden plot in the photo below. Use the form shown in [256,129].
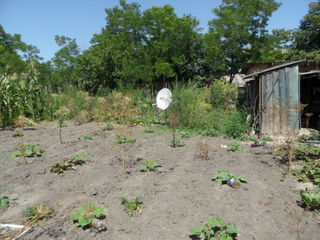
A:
[176,188]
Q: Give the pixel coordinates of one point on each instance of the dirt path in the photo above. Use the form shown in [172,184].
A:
[178,198]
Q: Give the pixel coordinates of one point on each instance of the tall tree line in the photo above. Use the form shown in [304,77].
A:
[155,47]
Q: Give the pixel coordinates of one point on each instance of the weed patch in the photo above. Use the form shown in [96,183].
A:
[151,165]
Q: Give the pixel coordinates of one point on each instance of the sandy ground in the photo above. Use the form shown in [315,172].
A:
[179,197]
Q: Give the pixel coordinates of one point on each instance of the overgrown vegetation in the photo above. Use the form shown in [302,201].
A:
[84,215]
[215,229]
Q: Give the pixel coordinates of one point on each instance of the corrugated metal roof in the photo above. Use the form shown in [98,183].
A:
[273,68]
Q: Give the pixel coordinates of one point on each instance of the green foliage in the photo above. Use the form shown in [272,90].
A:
[84,215]
[311,199]
[177,143]
[236,125]
[68,164]
[307,36]
[215,229]
[4,202]
[108,127]
[223,95]
[84,137]
[132,206]
[235,147]
[309,172]
[21,95]
[223,177]
[238,33]
[123,139]
[28,150]
[307,152]
[151,165]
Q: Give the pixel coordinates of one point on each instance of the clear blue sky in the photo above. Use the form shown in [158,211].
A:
[38,21]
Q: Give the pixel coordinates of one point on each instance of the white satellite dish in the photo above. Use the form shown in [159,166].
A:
[164,98]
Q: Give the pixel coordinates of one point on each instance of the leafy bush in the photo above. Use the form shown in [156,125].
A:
[311,199]
[84,215]
[215,229]
[223,94]
[236,125]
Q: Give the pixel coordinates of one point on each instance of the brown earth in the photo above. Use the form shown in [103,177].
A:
[178,197]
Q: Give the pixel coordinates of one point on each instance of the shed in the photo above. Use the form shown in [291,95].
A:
[285,97]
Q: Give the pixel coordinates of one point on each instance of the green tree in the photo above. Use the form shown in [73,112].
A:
[308,34]
[238,33]
[64,62]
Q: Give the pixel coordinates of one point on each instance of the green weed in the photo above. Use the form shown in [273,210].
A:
[84,215]
[151,165]
[132,206]
[309,172]
[68,164]
[215,229]
[123,139]
[177,143]
[108,127]
[235,147]
[28,150]
[224,177]
[311,199]
[4,202]
[36,213]
[84,137]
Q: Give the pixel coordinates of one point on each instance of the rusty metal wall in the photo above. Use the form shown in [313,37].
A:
[279,100]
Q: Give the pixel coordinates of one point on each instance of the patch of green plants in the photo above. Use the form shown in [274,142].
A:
[215,229]
[235,147]
[224,177]
[177,143]
[108,127]
[132,206]
[311,199]
[309,172]
[68,164]
[28,150]
[151,165]
[307,152]
[123,139]
[37,212]
[84,215]
[84,137]
[4,202]
[312,136]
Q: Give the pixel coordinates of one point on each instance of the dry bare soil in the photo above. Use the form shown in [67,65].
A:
[178,197]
